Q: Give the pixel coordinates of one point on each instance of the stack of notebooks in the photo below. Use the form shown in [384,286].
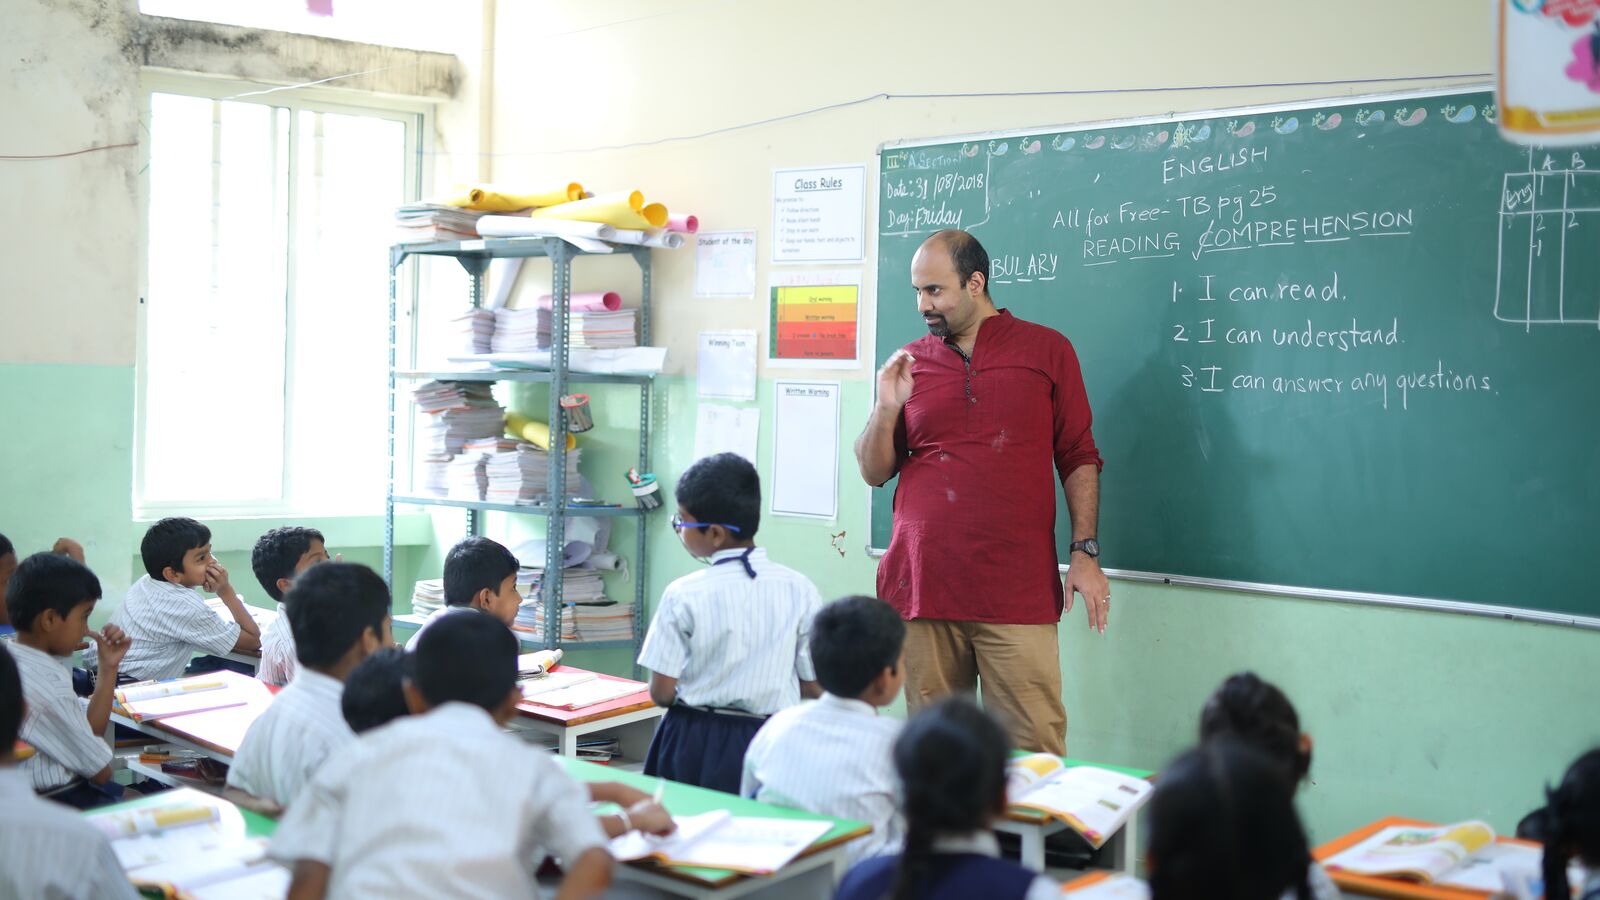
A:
[517,331]
[474,330]
[429,222]
[586,613]
[520,472]
[457,413]
[427,597]
[594,330]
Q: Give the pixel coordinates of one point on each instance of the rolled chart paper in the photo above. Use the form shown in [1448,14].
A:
[667,240]
[587,301]
[489,198]
[522,226]
[535,433]
[623,209]
[683,222]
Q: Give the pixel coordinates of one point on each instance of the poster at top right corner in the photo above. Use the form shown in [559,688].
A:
[1549,78]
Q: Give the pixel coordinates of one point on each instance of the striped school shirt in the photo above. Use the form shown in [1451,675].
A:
[411,643]
[443,804]
[732,641]
[833,757]
[57,723]
[48,850]
[292,739]
[279,664]
[169,623]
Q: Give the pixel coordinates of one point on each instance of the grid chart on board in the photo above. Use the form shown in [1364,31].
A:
[1549,267]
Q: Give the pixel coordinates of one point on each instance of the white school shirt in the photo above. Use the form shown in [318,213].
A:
[49,851]
[443,804]
[733,641]
[984,843]
[292,739]
[279,664]
[167,624]
[833,757]
[57,723]
[411,642]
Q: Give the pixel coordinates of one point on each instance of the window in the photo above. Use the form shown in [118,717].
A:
[264,341]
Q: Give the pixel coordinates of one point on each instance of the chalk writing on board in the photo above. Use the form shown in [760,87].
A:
[1549,220]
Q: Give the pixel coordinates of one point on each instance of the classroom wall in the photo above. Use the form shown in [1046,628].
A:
[70,283]
[1431,715]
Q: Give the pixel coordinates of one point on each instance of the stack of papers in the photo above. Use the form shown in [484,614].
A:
[455,413]
[427,597]
[516,331]
[592,330]
[465,478]
[474,330]
[586,613]
[428,222]
[520,472]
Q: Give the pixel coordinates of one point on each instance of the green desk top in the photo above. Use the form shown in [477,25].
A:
[688,800]
[1016,814]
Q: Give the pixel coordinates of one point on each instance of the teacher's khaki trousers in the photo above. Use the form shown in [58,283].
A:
[1017,666]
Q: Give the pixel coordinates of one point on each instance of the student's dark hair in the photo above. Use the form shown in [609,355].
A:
[1571,823]
[48,581]
[372,691]
[166,542]
[966,253]
[724,489]
[473,564]
[278,552]
[854,639]
[1256,712]
[951,758]
[468,657]
[5,545]
[330,606]
[10,699]
[1223,824]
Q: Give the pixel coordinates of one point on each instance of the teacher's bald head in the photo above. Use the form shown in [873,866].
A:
[965,255]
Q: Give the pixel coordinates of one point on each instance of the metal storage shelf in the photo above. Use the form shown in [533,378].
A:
[530,509]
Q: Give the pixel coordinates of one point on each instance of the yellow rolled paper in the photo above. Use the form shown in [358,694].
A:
[535,433]
[489,198]
[622,209]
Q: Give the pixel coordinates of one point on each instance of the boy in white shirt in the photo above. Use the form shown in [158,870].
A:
[834,756]
[478,574]
[166,617]
[46,850]
[339,614]
[443,803]
[728,646]
[51,599]
[277,558]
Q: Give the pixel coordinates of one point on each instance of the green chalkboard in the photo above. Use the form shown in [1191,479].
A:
[1348,347]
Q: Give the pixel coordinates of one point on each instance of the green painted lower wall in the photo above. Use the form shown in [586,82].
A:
[1432,715]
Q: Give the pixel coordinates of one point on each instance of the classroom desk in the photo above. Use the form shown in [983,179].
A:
[633,716]
[1033,827]
[263,618]
[215,733]
[1372,886]
[813,874]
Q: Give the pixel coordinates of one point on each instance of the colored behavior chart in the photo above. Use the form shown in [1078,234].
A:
[815,319]
[1345,349]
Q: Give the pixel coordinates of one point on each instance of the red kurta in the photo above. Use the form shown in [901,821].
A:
[975,509]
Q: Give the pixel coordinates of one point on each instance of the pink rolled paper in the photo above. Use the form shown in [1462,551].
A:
[589,301]
[683,222]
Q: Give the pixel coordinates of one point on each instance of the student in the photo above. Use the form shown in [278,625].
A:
[443,802]
[834,756]
[51,599]
[373,694]
[1256,712]
[46,850]
[729,645]
[164,614]
[951,761]
[8,564]
[478,574]
[1223,824]
[339,614]
[277,558]
[1569,826]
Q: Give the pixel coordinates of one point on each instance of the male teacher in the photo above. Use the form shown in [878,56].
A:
[973,417]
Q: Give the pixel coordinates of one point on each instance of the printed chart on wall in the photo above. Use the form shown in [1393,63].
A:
[725,264]
[805,449]
[1344,346]
[819,215]
[815,319]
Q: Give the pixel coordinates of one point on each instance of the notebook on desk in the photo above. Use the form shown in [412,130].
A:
[721,840]
[1404,858]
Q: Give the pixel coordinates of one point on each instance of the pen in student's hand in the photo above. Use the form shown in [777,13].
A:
[661,788]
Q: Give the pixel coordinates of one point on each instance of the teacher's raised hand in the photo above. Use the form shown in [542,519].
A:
[895,381]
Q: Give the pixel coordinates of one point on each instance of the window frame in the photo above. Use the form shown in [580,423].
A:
[417,117]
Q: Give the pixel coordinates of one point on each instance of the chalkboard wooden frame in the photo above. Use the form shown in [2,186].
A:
[1511,613]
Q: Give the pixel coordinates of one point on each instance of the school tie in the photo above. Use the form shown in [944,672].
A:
[743,559]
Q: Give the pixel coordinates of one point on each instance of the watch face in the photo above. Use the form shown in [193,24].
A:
[1091,547]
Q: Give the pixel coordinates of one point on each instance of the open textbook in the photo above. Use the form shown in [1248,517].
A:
[145,701]
[1095,802]
[1463,855]
[721,840]
[195,847]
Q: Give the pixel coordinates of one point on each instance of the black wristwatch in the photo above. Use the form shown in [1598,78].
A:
[1089,546]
